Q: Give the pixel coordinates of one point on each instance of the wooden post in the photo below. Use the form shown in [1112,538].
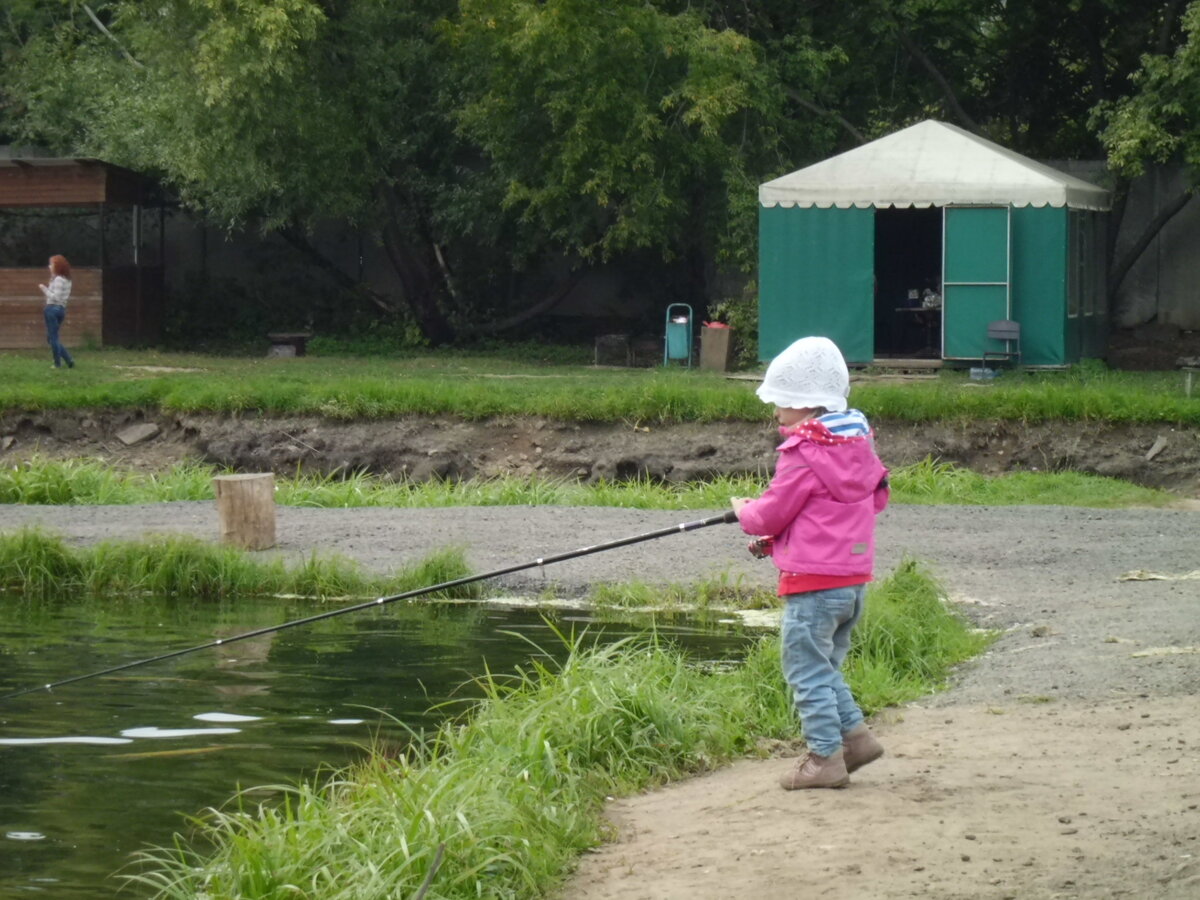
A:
[246,507]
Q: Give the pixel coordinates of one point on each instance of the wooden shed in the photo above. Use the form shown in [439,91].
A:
[108,222]
[910,246]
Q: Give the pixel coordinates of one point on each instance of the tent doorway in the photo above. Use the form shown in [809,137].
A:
[908,263]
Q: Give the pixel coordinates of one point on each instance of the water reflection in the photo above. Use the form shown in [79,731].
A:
[244,659]
[99,769]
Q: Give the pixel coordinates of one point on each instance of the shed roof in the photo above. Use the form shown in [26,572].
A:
[69,181]
[931,164]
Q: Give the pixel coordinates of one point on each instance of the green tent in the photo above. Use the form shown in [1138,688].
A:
[910,246]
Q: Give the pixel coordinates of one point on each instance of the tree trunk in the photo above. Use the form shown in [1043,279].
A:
[846,124]
[294,236]
[948,93]
[420,288]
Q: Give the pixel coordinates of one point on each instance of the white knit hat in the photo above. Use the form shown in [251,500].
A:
[809,373]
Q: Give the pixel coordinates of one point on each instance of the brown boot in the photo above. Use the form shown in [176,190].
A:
[860,747]
[813,771]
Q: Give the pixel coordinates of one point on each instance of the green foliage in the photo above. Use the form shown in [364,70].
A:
[513,791]
[230,102]
[37,564]
[721,593]
[620,155]
[81,481]
[931,482]
[741,314]
[511,135]
[366,337]
[380,117]
[908,640]
[483,141]
[1157,121]
[1084,393]
[85,481]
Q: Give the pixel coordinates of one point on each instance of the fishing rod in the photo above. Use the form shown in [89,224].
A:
[725,518]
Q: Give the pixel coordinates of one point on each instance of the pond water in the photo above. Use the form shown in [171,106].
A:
[100,769]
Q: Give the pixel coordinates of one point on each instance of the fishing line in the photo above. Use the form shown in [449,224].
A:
[724,518]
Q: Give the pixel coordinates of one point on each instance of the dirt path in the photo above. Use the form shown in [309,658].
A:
[1073,800]
[1063,763]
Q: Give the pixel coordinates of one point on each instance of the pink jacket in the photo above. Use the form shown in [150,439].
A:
[821,506]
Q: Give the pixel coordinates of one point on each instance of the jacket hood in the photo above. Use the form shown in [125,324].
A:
[848,467]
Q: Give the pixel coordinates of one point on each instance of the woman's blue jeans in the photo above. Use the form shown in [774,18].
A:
[54,319]
[815,640]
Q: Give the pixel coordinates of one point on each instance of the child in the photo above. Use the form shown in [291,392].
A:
[818,516]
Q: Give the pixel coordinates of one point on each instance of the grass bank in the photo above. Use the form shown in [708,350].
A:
[36,564]
[500,802]
[91,482]
[479,386]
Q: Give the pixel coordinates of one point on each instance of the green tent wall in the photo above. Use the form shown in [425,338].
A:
[816,276]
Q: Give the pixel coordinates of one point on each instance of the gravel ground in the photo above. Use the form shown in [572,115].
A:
[1065,762]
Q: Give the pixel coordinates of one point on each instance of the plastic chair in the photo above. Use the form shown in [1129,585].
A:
[1009,333]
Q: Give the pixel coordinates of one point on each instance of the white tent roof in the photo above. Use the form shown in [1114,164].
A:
[930,164]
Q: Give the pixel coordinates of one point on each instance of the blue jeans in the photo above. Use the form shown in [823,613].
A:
[814,642]
[54,319]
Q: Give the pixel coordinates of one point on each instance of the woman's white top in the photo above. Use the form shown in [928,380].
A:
[58,291]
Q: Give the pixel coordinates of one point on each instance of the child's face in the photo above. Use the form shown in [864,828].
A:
[786,416]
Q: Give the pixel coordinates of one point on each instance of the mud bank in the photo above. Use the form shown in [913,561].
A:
[421,447]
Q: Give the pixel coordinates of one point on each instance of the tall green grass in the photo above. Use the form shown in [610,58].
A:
[40,481]
[938,483]
[723,592]
[34,563]
[81,481]
[1082,393]
[908,639]
[512,792]
[474,386]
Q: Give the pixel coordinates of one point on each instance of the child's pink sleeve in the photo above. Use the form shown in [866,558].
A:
[781,502]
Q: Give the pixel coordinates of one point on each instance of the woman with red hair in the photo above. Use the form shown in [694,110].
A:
[57,293]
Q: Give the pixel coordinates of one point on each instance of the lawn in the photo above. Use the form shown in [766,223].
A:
[522,382]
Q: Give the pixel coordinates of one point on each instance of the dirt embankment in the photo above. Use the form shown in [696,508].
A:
[424,447]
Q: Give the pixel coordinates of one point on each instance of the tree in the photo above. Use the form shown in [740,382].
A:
[275,114]
[480,141]
[1156,122]
[288,113]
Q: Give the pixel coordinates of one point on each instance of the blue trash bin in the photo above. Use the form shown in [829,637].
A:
[677,342]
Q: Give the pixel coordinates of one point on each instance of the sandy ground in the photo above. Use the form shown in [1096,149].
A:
[1063,763]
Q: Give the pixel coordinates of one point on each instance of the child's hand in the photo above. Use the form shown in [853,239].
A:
[762,547]
[737,503]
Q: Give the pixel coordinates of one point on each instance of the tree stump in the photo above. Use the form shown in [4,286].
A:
[246,507]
